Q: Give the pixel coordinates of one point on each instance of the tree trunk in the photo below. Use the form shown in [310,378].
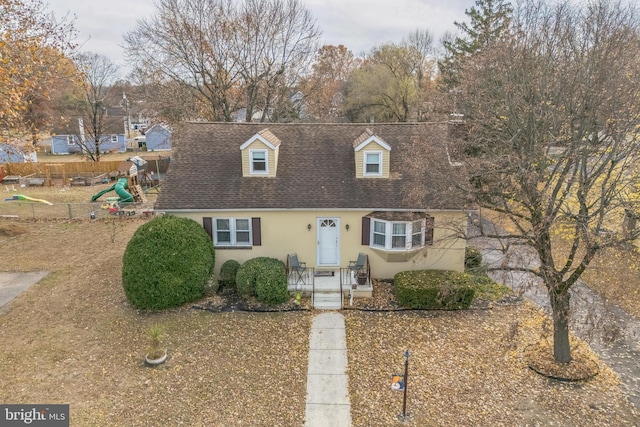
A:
[560,307]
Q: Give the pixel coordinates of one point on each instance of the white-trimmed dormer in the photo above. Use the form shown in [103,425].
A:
[260,154]
[372,155]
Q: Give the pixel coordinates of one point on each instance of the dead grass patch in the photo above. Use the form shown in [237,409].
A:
[11,229]
[73,338]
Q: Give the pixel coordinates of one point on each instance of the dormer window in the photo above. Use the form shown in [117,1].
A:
[373,163]
[258,161]
[372,155]
[260,154]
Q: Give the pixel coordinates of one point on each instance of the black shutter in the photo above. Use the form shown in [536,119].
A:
[256,231]
[208,226]
[366,230]
[428,233]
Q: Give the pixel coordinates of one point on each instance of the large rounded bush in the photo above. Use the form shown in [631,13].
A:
[167,263]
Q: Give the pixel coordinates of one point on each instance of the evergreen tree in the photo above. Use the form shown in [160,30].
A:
[488,20]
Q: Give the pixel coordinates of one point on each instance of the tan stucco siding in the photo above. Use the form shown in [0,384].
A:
[360,155]
[272,158]
[286,232]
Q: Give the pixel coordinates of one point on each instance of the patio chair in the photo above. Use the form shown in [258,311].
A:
[357,266]
[297,269]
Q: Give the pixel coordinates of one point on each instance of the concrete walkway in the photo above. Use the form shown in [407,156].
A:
[11,284]
[327,380]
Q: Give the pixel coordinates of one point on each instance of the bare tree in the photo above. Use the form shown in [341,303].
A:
[96,75]
[232,54]
[552,113]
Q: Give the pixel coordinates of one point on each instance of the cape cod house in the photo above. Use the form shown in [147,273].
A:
[326,192]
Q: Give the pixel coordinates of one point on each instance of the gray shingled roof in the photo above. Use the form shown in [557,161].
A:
[316,169]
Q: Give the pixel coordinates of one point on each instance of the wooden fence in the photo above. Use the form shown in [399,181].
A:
[67,168]
[63,172]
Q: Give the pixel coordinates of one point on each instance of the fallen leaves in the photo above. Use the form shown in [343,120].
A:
[468,368]
[73,338]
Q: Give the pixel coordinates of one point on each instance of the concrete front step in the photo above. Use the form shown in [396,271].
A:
[328,301]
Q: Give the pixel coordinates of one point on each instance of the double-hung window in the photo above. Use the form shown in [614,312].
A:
[232,232]
[379,233]
[372,163]
[258,161]
[114,138]
[399,235]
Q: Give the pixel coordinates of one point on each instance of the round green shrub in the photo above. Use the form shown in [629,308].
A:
[251,270]
[228,273]
[167,263]
[271,286]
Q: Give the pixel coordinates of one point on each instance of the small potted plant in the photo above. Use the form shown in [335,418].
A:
[361,278]
[156,354]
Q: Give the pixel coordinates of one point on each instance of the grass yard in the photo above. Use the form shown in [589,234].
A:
[73,338]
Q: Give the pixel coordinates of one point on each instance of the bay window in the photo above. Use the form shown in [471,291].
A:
[401,235]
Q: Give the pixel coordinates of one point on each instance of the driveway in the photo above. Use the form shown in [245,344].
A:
[11,284]
[612,333]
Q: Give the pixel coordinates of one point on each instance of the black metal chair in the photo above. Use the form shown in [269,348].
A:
[358,265]
[297,269]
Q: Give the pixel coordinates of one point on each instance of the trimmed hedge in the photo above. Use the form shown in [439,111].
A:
[228,273]
[167,263]
[252,270]
[434,289]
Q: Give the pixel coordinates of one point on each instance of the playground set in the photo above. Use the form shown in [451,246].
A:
[128,190]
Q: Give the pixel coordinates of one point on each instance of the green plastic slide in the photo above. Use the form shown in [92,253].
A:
[120,188]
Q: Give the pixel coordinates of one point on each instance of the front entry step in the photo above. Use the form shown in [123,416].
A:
[327,300]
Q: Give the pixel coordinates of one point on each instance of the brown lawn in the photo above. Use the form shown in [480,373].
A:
[73,338]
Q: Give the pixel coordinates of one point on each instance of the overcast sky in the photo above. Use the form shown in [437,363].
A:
[358,24]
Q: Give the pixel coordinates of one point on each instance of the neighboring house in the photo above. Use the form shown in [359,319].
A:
[158,138]
[324,191]
[113,140]
[11,154]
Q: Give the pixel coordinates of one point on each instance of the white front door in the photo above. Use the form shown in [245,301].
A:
[328,238]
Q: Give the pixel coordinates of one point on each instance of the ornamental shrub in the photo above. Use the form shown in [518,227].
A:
[249,273]
[228,273]
[434,289]
[472,259]
[167,263]
[271,285]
